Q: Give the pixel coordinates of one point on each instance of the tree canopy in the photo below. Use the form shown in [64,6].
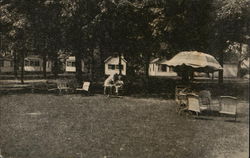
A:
[137,29]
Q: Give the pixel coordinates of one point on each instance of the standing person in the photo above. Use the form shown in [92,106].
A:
[109,84]
[118,84]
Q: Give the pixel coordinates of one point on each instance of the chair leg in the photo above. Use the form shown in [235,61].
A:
[197,114]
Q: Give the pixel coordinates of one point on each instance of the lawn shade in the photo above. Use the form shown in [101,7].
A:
[198,61]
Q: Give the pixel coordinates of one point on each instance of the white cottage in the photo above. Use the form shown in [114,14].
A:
[6,64]
[112,65]
[230,70]
[158,67]
[34,63]
[71,64]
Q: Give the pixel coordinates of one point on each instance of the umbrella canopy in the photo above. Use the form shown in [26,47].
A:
[197,60]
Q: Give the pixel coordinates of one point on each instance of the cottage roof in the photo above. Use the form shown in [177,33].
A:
[30,57]
[7,58]
[158,61]
[109,58]
[154,60]
[245,63]
[72,58]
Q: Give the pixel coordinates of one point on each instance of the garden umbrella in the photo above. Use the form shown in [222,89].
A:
[197,61]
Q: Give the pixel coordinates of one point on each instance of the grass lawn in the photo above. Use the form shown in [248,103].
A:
[72,126]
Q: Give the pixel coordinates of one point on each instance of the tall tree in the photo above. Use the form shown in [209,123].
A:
[14,16]
[77,17]
[231,24]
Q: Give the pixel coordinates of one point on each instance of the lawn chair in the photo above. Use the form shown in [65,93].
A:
[180,94]
[228,105]
[61,86]
[193,104]
[205,99]
[181,97]
[85,88]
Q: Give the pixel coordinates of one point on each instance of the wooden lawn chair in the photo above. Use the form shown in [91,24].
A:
[85,87]
[61,86]
[205,99]
[228,105]
[193,104]
[181,97]
[180,91]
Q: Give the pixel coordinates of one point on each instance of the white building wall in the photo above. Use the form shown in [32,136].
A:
[7,66]
[155,71]
[229,70]
[115,61]
[72,68]
[28,68]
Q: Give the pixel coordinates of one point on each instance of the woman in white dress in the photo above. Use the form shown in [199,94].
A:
[109,84]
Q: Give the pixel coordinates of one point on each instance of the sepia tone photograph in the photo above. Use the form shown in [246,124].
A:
[124,78]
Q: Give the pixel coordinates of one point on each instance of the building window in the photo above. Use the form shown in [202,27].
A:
[36,63]
[71,63]
[111,66]
[170,69]
[32,63]
[117,67]
[1,63]
[164,68]
[26,63]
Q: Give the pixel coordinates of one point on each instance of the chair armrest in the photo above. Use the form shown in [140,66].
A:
[229,97]
[192,94]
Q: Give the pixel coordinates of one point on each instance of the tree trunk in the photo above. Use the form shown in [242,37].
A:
[55,66]
[147,65]
[238,69]
[221,61]
[120,63]
[92,65]
[239,62]
[44,66]
[147,61]
[15,64]
[78,64]
[102,68]
[22,67]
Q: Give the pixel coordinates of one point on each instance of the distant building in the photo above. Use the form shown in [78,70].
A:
[159,67]
[229,70]
[245,64]
[70,65]
[6,64]
[34,63]
[112,65]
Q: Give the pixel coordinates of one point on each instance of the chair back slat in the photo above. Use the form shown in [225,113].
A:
[228,105]
[179,90]
[85,86]
[205,97]
[62,84]
[193,103]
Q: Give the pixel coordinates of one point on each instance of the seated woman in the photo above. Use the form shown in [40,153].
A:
[118,84]
[109,84]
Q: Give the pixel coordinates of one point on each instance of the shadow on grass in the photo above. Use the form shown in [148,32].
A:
[210,113]
[234,121]
[204,118]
